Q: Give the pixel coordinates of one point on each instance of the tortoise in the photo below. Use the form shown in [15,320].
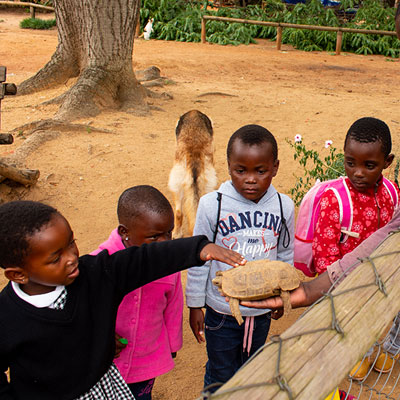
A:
[258,280]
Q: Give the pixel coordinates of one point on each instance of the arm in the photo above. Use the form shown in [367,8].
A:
[136,266]
[327,234]
[308,292]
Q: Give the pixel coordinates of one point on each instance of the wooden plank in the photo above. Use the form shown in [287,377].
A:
[23,4]
[314,363]
[299,26]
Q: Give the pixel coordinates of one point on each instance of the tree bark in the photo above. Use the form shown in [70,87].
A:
[95,44]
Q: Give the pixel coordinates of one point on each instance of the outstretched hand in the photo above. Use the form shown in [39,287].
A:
[214,252]
[305,295]
[273,303]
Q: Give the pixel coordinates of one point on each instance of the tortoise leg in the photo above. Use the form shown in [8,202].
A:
[287,306]
[234,305]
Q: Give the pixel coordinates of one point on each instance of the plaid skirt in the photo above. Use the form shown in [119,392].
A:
[110,387]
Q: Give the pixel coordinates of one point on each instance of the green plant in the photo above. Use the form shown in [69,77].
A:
[181,20]
[36,23]
[314,167]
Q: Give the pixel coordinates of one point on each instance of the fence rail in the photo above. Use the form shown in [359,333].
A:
[280,25]
[32,6]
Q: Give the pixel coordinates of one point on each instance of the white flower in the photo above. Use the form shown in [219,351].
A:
[328,143]
[297,139]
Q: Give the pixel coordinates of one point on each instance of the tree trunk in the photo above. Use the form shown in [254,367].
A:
[398,19]
[95,44]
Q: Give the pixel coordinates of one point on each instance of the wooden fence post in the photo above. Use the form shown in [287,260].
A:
[278,37]
[203,30]
[339,38]
[32,10]
[137,30]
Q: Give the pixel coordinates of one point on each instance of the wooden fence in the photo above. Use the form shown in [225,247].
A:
[280,25]
[32,6]
[316,353]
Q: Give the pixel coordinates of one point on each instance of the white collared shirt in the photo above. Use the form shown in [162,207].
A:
[38,300]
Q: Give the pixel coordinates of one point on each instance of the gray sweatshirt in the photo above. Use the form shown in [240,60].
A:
[247,227]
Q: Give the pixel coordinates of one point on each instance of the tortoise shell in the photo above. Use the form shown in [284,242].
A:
[258,280]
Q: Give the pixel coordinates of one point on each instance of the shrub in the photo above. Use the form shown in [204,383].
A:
[36,23]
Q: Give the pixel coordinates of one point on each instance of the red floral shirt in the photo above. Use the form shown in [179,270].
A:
[371,211]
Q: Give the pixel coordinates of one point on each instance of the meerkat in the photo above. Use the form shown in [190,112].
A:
[193,173]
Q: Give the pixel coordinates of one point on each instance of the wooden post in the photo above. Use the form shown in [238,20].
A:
[339,38]
[24,176]
[203,30]
[32,10]
[137,31]
[278,37]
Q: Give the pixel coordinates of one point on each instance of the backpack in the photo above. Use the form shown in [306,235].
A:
[308,216]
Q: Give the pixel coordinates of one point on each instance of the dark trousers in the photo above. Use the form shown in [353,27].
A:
[142,390]
[224,337]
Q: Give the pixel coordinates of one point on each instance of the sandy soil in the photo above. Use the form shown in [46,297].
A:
[317,95]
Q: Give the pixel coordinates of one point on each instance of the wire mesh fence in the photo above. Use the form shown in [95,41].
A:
[316,354]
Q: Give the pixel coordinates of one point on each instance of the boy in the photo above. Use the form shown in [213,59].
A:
[57,315]
[253,219]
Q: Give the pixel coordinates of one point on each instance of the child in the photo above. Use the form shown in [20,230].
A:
[366,154]
[253,219]
[149,318]
[57,315]
[367,150]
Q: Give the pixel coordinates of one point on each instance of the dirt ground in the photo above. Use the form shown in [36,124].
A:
[317,95]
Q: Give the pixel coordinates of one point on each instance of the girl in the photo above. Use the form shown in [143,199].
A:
[149,319]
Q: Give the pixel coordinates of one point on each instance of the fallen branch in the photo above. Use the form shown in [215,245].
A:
[53,124]
[27,177]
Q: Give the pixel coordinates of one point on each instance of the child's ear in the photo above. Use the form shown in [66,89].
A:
[276,167]
[16,274]
[389,160]
[123,231]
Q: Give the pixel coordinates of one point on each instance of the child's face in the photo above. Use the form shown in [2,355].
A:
[53,258]
[252,168]
[364,163]
[149,227]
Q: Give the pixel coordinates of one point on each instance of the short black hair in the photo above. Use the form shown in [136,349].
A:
[253,135]
[370,130]
[19,220]
[139,199]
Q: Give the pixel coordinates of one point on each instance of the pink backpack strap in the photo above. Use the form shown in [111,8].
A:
[342,193]
[391,188]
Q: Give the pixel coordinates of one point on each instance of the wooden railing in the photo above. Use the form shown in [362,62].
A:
[280,25]
[32,6]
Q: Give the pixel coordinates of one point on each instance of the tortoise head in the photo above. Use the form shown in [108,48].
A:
[217,281]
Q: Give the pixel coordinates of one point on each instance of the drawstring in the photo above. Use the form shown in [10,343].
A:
[248,334]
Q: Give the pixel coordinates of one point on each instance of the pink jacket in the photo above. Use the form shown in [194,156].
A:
[151,319]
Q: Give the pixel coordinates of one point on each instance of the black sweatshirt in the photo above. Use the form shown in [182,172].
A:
[61,354]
